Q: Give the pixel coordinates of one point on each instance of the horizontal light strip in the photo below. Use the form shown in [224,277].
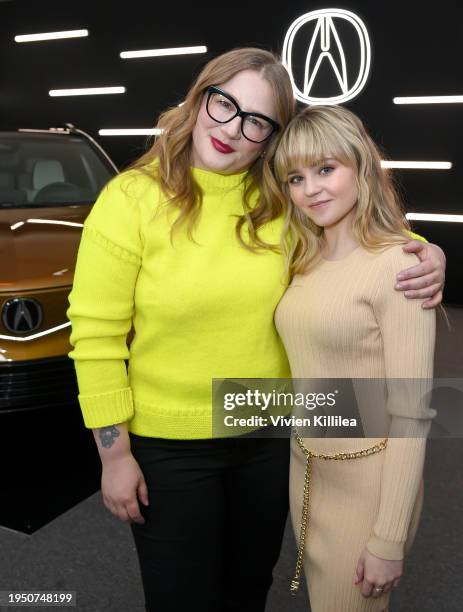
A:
[54,222]
[47,332]
[45,222]
[50,36]
[131,132]
[54,130]
[163,52]
[429,100]
[417,165]
[434,217]
[89,91]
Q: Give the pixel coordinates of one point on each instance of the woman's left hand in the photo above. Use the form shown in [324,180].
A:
[377,576]
[426,279]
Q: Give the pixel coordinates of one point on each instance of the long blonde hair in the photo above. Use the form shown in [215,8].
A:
[172,149]
[320,132]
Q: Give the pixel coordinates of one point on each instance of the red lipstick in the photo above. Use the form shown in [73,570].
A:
[221,147]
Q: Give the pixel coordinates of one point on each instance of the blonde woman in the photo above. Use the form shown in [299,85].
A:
[340,319]
[184,246]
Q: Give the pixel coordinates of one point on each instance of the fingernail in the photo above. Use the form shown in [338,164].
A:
[398,286]
[400,276]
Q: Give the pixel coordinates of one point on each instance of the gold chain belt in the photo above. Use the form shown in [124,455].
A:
[295,582]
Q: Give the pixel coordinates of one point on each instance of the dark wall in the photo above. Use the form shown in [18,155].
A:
[416,50]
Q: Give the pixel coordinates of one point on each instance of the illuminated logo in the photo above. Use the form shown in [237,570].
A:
[22,315]
[326,54]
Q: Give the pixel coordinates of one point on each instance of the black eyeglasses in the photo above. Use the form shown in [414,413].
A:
[221,107]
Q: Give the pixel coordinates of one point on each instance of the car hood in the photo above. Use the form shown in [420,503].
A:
[39,246]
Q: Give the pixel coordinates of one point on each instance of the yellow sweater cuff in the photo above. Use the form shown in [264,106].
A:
[384,549]
[105,409]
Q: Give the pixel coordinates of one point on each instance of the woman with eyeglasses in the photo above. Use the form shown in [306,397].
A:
[185,244]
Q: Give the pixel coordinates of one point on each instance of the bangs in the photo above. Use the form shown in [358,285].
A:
[306,144]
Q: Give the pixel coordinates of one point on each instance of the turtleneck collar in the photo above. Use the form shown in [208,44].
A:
[213,181]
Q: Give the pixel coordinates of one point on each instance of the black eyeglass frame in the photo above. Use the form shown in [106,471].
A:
[212,89]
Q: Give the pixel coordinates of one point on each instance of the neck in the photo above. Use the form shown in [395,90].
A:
[338,240]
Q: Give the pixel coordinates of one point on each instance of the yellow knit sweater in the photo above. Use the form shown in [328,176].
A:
[344,320]
[200,309]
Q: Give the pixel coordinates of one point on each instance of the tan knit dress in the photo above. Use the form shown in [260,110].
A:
[345,320]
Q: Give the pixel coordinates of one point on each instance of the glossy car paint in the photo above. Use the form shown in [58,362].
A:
[38,251]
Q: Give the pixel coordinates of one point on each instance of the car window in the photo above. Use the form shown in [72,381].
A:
[49,170]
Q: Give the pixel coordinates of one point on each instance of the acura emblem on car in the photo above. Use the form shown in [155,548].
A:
[22,315]
[326,47]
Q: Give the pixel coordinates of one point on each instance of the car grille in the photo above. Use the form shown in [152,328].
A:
[28,385]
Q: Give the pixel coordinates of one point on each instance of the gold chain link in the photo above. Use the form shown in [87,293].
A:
[295,582]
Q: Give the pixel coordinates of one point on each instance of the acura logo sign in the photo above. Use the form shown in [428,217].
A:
[326,53]
[22,315]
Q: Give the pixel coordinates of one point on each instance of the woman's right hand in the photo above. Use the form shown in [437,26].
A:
[377,576]
[122,485]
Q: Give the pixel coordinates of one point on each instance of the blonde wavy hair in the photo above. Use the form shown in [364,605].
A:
[173,148]
[320,132]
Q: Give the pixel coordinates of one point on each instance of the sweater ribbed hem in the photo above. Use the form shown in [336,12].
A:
[189,423]
[106,409]
[385,549]
[184,424]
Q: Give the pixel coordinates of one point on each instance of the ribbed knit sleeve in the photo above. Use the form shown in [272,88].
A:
[408,334]
[102,304]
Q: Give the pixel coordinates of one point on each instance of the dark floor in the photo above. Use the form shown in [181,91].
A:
[85,549]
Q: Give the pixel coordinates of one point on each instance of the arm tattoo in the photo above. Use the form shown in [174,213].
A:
[108,436]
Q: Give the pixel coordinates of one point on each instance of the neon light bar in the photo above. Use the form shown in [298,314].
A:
[429,100]
[163,52]
[131,132]
[417,165]
[89,91]
[22,38]
[434,217]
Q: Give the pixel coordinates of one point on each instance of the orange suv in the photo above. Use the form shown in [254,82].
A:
[49,180]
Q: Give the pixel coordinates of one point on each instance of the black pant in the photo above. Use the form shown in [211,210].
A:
[214,524]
